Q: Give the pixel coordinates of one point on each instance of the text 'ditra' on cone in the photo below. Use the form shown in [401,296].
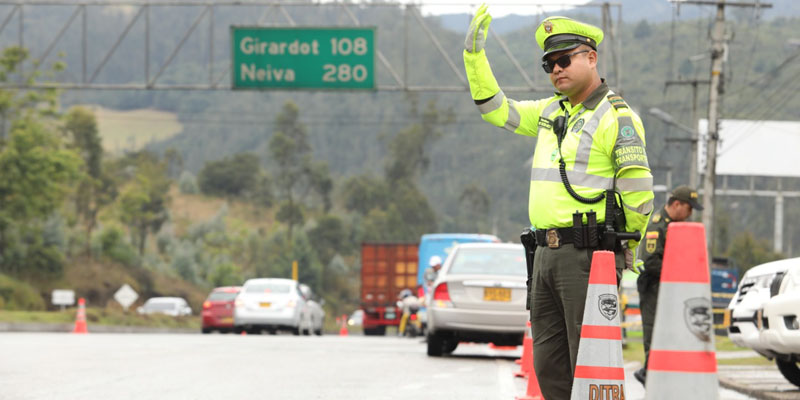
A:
[526,361]
[600,371]
[683,362]
[80,319]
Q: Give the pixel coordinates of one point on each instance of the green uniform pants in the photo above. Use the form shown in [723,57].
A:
[558,297]
[648,299]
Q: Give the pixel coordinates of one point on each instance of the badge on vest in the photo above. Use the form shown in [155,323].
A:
[545,123]
[578,125]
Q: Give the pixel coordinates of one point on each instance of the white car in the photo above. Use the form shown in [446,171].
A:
[173,306]
[780,328]
[272,304]
[478,296]
[753,292]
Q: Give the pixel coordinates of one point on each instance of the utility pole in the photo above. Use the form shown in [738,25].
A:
[693,165]
[718,41]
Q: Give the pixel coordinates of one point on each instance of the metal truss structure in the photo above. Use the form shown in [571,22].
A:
[87,66]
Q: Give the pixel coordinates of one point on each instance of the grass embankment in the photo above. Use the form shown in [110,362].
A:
[634,351]
[134,129]
[96,316]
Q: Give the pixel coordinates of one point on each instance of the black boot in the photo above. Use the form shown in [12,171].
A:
[640,375]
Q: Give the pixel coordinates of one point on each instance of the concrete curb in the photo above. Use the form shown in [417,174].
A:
[755,393]
[43,327]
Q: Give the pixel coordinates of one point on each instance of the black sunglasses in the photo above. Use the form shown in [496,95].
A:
[563,61]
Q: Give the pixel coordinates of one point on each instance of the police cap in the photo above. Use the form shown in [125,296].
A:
[687,194]
[562,33]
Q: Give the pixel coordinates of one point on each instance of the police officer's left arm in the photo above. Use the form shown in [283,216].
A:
[632,170]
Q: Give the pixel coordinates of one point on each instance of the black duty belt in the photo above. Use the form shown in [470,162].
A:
[557,237]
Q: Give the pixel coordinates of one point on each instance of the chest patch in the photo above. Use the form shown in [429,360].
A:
[578,125]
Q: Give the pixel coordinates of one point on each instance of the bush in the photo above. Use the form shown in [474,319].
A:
[18,295]
[187,183]
[114,246]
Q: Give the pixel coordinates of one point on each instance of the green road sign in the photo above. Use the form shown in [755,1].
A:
[303,58]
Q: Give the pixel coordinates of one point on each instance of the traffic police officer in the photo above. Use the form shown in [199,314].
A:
[589,142]
[678,208]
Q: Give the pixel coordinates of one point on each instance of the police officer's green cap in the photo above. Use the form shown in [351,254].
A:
[689,195]
[562,33]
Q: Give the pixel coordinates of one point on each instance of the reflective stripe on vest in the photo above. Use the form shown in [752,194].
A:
[493,104]
[635,184]
[587,137]
[576,178]
[513,117]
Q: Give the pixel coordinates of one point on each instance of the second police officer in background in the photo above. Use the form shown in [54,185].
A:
[589,164]
[678,208]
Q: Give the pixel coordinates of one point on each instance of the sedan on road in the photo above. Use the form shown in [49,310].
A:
[218,309]
[478,296]
[173,306]
[271,304]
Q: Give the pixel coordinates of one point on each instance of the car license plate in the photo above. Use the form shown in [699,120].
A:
[226,320]
[266,305]
[496,294]
[390,315]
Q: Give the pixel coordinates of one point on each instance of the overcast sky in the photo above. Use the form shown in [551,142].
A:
[496,8]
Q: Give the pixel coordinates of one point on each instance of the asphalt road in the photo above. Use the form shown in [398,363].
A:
[180,366]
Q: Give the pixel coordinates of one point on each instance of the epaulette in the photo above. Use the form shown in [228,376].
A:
[656,217]
[617,101]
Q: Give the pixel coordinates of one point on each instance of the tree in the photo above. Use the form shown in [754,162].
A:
[143,202]
[747,251]
[408,155]
[95,189]
[38,173]
[363,193]
[329,238]
[642,30]
[474,206]
[291,152]
[231,176]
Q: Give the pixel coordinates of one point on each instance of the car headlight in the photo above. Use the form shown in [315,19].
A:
[238,303]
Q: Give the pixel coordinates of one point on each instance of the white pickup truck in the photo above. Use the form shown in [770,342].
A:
[760,310]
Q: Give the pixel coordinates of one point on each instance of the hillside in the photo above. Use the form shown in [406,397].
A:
[350,130]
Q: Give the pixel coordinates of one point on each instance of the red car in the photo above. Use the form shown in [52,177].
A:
[218,309]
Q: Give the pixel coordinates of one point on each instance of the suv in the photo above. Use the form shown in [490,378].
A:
[779,325]
[753,292]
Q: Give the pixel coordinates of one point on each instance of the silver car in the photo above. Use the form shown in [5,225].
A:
[271,304]
[173,306]
[316,313]
[478,296]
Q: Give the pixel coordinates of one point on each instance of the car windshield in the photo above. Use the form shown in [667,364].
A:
[489,262]
[160,305]
[271,287]
[222,296]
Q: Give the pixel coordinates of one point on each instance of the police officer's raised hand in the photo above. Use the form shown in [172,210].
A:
[478,30]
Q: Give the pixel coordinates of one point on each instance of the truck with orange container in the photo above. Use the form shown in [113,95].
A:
[386,269]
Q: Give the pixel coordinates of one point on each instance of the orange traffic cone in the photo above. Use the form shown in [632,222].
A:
[532,392]
[599,370]
[526,361]
[244,332]
[80,320]
[683,362]
[343,330]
